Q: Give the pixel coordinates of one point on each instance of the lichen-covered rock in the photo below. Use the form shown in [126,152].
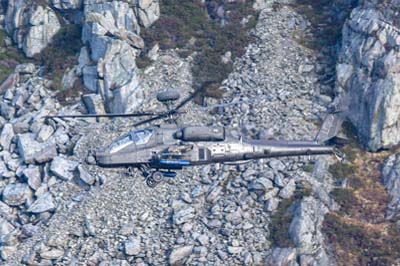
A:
[63,168]
[282,257]
[32,175]
[67,4]
[368,71]
[111,31]
[44,25]
[42,204]
[148,12]
[179,254]
[30,150]
[132,247]
[305,230]
[32,26]
[391,180]
[6,136]
[16,194]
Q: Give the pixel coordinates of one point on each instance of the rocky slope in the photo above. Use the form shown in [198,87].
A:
[58,209]
[110,33]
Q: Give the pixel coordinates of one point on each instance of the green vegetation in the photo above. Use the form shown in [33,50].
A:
[347,200]
[358,231]
[281,219]
[308,168]
[61,54]
[9,57]
[280,222]
[58,56]
[187,26]
[361,244]
[326,28]
[341,171]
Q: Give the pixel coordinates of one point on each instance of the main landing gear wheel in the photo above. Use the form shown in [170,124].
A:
[154,179]
[150,182]
[157,176]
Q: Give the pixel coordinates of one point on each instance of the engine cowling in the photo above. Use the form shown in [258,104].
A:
[201,133]
[168,96]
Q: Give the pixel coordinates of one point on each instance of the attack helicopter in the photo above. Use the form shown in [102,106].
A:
[160,150]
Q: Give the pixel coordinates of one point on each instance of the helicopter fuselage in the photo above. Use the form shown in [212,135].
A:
[173,148]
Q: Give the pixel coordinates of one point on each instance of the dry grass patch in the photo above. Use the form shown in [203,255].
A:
[359,233]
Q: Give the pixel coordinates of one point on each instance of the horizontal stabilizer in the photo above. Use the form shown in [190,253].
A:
[337,141]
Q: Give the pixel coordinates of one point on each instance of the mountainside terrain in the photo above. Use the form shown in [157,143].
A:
[286,60]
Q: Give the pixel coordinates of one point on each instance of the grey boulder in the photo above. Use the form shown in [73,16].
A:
[85,176]
[30,150]
[7,134]
[42,204]
[63,168]
[179,254]
[16,194]
[282,257]
[132,247]
[33,177]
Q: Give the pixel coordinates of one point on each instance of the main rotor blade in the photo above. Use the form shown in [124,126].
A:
[174,112]
[218,105]
[149,120]
[103,115]
[141,114]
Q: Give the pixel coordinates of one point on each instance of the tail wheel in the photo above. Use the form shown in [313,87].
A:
[151,182]
[157,176]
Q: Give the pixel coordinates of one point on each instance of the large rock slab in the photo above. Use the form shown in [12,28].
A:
[305,229]
[32,151]
[32,26]
[111,30]
[368,71]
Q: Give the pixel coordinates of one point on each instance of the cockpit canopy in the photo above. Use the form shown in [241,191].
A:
[140,137]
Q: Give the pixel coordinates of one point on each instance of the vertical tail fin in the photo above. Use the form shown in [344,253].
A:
[330,127]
